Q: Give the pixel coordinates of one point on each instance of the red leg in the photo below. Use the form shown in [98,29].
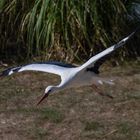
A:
[100,92]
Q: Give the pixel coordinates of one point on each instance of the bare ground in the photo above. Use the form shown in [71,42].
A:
[74,114]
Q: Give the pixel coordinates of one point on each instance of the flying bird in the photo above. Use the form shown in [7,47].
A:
[71,75]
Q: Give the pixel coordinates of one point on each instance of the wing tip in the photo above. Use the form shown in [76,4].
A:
[134,32]
[9,71]
[137,30]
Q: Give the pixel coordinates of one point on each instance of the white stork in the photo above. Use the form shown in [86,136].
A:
[72,76]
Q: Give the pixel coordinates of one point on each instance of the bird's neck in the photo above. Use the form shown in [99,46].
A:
[59,87]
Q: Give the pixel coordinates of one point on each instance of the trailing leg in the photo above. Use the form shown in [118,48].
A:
[100,92]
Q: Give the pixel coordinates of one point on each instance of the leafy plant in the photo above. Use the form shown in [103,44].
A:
[63,28]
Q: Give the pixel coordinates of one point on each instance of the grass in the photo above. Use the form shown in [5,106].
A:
[63,29]
[128,130]
[51,115]
[48,114]
[125,127]
[92,125]
[71,114]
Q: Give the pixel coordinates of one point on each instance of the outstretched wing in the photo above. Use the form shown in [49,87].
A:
[49,67]
[96,65]
[93,63]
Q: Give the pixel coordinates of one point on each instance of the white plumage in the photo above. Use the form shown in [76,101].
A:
[71,76]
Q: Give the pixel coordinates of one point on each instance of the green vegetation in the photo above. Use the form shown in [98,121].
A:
[125,127]
[93,125]
[64,29]
[51,114]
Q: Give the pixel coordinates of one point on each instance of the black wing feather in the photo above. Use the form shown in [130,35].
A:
[96,66]
[61,64]
[7,71]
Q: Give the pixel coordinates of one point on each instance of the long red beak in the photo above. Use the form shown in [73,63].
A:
[45,96]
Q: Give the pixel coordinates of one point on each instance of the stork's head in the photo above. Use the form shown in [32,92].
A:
[48,90]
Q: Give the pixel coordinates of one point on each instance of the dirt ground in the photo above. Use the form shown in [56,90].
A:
[74,114]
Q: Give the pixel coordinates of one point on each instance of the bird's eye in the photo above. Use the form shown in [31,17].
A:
[50,90]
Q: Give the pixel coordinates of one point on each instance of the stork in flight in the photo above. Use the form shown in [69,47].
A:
[72,76]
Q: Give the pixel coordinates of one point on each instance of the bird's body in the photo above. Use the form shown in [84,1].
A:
[71,76]
[84,78]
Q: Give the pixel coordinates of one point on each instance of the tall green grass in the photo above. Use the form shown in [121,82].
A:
[62,29]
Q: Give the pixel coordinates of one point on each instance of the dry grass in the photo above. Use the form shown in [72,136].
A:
[77,114]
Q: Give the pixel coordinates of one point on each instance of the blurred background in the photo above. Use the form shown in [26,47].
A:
[66,30]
